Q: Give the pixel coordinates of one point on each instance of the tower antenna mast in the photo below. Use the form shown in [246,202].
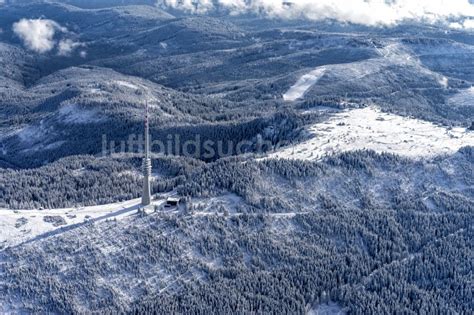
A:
[146,196]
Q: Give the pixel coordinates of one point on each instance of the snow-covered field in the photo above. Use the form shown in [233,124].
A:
[463,99]
[298,90]
[369,128]
[18,226]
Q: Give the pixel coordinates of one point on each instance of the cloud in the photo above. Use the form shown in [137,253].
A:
[467,24]
[366,12]
[39,35]
[67,46]
[456,26]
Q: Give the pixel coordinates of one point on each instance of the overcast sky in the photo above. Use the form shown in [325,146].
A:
[367,12]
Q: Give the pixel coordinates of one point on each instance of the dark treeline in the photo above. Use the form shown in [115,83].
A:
[85,181]
[225,139]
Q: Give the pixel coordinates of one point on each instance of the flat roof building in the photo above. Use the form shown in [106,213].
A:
[172,202]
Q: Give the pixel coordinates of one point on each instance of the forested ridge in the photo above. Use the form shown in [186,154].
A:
[340,230]
[351,234]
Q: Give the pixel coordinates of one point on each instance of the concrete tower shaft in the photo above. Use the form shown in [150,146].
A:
[146,196]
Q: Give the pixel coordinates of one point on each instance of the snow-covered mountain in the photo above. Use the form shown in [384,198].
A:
[330,165]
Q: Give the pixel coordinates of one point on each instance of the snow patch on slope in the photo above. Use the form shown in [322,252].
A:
[329,308]
[298,90]
[369,128]
[74,114]
[127,84]
[463,99]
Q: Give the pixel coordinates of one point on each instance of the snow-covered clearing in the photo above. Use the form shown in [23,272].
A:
[209,206]
[329,308]
[32,134]
[72,113]
[127,84]
[298,90]
[464,98]
[18,226]
[38,137]
[369,128]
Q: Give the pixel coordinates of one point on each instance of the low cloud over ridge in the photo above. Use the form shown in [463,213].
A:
[366,12]
[39,35]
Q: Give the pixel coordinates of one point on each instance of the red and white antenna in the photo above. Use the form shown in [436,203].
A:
[147,131]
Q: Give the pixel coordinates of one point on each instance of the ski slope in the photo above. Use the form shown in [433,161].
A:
[298,90]
[369,128]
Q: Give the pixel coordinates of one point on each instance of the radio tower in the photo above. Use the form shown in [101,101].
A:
[146,197]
